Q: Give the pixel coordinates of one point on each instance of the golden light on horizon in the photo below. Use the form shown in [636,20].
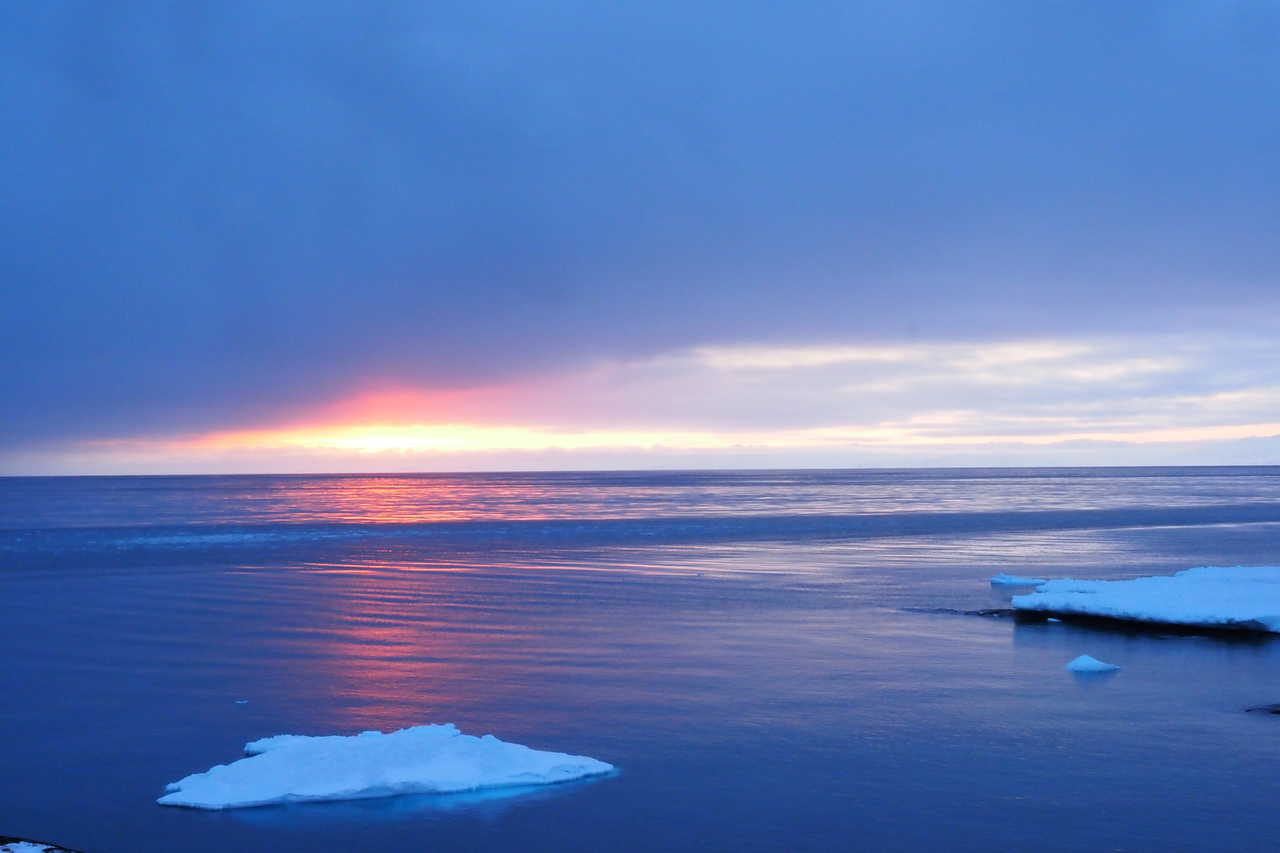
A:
[835,405]
[452,437]
[940,431]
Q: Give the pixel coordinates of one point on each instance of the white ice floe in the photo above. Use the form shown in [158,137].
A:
[417,760]
[30,847]
[1014,580]
[1085,663]
[1246,598]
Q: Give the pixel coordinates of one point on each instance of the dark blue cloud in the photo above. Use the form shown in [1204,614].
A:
[215,212]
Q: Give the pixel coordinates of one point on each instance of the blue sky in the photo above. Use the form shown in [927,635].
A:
[638,234]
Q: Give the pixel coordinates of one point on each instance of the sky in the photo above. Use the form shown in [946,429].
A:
[390,236]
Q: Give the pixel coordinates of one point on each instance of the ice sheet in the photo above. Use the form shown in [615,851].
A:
[421,759]
[1244,597]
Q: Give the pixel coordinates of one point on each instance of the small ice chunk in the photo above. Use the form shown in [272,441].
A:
[242,701]
[1015,580]
[20,845]
[1053,619]
[1084,663]
[1245,598]
[417,760]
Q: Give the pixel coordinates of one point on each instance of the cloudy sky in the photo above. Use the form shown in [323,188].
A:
[393,235]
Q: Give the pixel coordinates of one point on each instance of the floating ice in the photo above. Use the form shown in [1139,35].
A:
[416,760]
[1014,580]
[1244,598]
[9,844]
[1085,663]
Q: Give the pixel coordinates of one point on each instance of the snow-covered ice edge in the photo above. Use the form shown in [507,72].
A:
[1015,580]
[417,760]
[11,844]
[1088,663]
[1241,598]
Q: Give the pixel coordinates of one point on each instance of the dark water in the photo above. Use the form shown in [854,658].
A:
[756,651]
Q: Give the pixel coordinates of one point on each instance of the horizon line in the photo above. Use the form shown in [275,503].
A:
[500,472]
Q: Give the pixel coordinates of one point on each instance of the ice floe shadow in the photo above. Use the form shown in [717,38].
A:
[1024,620]
[485,803]
[1037,621]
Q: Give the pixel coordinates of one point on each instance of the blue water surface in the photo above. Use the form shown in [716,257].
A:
[774,660]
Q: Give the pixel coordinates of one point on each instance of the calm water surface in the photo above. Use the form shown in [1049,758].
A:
[766,656]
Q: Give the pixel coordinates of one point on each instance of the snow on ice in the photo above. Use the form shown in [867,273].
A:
[1245,598]
[9,844]
[1085,663]
[1014,580]
[416,760]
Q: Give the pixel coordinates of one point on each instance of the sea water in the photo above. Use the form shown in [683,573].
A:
[774,660]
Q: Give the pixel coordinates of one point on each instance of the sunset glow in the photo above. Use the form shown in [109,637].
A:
[422,438]
[1023,402]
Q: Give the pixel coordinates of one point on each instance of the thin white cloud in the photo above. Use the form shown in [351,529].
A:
[788,358]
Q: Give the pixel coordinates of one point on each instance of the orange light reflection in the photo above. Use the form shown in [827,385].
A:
[404,642]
